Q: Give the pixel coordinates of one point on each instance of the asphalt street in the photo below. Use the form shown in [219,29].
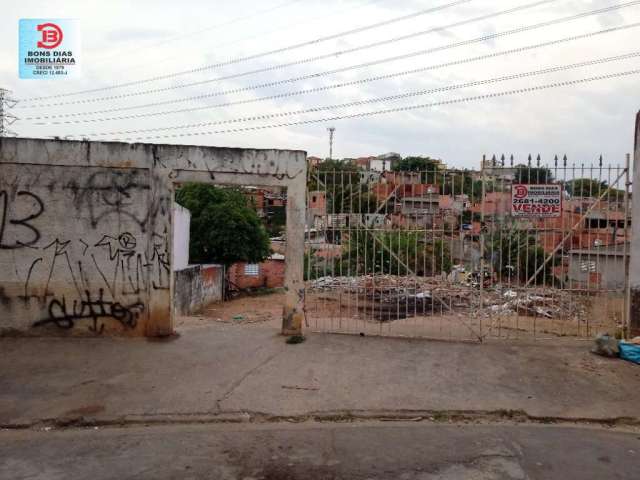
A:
[322,451]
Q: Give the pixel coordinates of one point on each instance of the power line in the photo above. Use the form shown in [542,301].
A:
[207,29]
[305,91]
[382,99]
[297,23]
[296,46]
[481,39]
[309,59]
[297,62]
[397,109]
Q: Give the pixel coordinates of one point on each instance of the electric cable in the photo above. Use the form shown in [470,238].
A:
[481,39]
[408,108]
[304,60]
[305,91]
[474,83]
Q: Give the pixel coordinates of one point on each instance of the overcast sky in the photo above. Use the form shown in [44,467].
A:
[124,40]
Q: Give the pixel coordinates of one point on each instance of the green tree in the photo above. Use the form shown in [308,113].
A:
[585,187]
[364,202]
[532,175]
[368,252]
[341,182]
[224,227]
[517,253]
[469,217]
[429,168]
[449,182]
[276,220]
[316,267]
[456,182]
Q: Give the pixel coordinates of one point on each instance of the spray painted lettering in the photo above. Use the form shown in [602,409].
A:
[21,230]
[93,309]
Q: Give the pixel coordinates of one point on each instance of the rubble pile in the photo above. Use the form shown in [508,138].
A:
[369,282]
[538,302]
[331,283]
[390,297]
[383,297]
[392,304]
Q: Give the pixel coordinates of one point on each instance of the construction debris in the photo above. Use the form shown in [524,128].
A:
[606,346]
[391,297]
[543,302]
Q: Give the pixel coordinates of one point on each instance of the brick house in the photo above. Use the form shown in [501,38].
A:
[264,199]
[318,202]
[256,199]
[364,162]
[267,274]
[314,161]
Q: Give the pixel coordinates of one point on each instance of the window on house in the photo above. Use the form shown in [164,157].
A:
[588,266]
[313,198]
[251,269]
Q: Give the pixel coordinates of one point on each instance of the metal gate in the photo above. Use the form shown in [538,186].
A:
[511,250]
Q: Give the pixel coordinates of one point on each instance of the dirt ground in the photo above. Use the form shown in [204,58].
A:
[333,312]
[246,309]
[326,313]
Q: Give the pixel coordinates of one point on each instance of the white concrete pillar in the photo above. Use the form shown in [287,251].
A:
[634,267]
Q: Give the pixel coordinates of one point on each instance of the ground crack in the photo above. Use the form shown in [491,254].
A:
[238,382]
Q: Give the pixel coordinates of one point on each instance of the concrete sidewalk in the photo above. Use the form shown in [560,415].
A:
[229,371]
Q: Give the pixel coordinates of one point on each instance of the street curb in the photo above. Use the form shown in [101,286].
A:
[342,416]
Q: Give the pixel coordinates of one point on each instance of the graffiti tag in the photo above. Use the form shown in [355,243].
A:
[89,308]
[22,224]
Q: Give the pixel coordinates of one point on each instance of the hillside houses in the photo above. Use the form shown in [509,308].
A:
[463,208]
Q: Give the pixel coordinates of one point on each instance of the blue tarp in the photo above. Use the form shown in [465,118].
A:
[630,351]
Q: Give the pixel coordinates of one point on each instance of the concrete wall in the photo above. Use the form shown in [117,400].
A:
[197,286]
[181,226]
[86,230]
[608,272]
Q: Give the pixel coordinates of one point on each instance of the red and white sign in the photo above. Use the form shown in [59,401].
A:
[51,35]
[538,200]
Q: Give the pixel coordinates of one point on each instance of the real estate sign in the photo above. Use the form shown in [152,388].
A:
[538,200]
[48,48]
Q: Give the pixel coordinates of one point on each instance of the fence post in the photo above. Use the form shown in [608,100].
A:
[627,231]
[634,267]
[482,241]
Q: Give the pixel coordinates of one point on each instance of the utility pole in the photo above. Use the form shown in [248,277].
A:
[634,261]
[331,131]
[6,118]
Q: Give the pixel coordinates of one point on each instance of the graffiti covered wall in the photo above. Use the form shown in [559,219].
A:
[85,230]
[80,247]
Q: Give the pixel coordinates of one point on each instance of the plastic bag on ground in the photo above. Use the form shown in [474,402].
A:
[630,352]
